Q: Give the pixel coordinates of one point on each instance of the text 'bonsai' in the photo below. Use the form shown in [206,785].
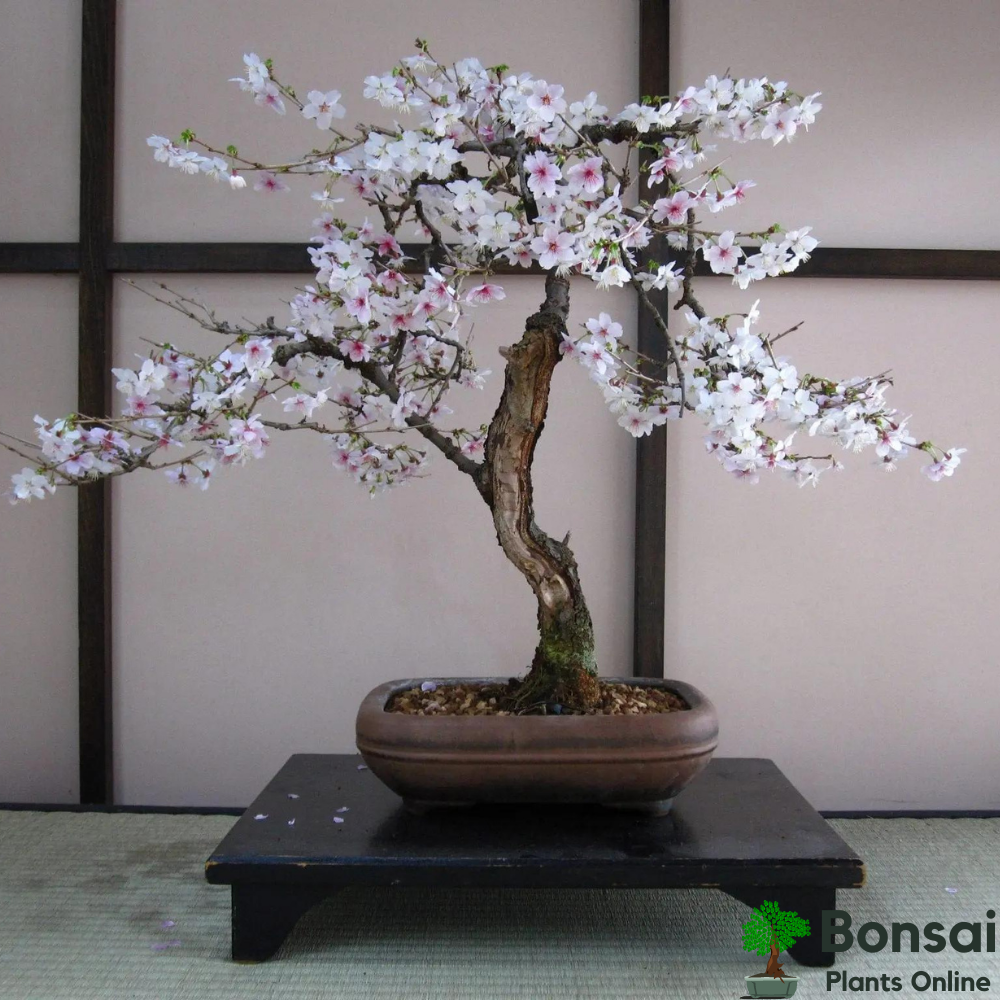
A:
[490,170]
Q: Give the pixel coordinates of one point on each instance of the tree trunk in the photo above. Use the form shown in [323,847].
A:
[563,670]
[773,967]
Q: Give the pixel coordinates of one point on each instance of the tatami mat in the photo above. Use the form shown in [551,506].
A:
[83,898]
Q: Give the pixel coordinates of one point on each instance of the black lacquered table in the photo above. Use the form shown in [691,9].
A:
[740,827]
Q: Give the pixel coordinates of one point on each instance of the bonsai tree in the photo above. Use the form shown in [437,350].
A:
[489,169]
[770,931]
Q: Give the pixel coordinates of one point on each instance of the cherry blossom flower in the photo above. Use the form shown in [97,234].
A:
[323,107]
[637,422]
[642,116]
[722,254]
[737,389]
[470,196]
[588,111]
[475,446]
[257,354]
[613,276]
[484,293]
[674,209]
[269,182]
[269,96]
[257,73]
[605,330]
[553,247]
[496,230]
[355,350]
[780,123]
[542,174]
[150,378]
[384,90]
[546,101]
[27,484]
[949,462]
[586,176]
[304,403]
[247,439]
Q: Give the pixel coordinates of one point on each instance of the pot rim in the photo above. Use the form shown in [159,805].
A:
[757,979]
[696,701]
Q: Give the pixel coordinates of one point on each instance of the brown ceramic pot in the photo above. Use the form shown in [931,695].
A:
[615,760]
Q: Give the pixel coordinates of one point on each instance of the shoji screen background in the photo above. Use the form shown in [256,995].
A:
[249,621]
[40,74]
[846,632]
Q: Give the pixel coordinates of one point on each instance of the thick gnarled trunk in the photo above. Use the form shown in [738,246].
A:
[563,670]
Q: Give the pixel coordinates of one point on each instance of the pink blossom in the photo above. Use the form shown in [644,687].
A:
[485,293]
[586,176]
[553,247]
[270,182]
[674,209]
[542,174]
[355,350]
[723,254]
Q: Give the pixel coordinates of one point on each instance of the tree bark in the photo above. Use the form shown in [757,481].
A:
[563,670]
[773,967]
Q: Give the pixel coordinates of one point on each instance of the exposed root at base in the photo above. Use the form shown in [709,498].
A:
[577,692]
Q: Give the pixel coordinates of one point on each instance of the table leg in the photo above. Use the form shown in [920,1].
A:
[807,902]
[263,916]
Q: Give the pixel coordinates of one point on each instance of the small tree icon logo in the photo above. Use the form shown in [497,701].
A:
[769,931]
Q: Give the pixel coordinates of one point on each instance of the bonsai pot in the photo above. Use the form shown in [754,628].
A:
[767,986]
[638,761]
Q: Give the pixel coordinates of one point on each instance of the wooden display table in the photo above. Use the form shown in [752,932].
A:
[740,827]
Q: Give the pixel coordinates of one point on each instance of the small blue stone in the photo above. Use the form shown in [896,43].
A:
[555,709]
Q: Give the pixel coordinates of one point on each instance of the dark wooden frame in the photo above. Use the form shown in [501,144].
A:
[97,161]
[96,257]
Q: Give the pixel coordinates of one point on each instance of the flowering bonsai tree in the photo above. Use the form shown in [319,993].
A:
[490,170]
[770,931]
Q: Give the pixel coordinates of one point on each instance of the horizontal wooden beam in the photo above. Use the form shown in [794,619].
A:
[862,262]
[209,258]
[292,258]
[39,258]
[251,258]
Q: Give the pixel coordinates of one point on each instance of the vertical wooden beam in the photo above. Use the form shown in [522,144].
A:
[97,128]
[651,451]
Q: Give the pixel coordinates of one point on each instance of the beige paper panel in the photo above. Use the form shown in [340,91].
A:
[904,153]
[40,80]
[175,60]
[38,634]
[250,620]
[850,632]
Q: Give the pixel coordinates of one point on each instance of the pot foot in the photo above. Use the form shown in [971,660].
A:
[659,807]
